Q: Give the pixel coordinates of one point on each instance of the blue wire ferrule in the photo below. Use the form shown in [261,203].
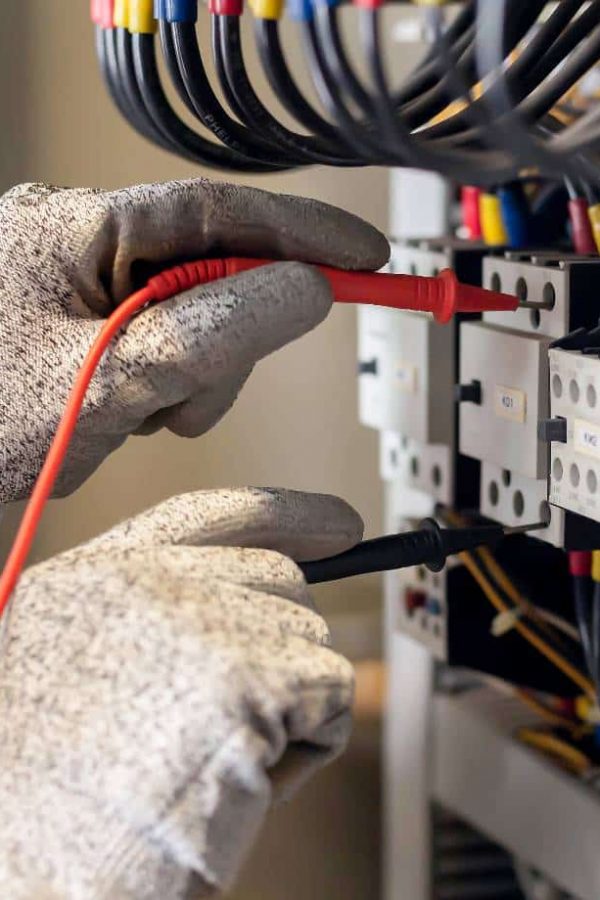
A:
[300,10]
[176,10]
[515,215]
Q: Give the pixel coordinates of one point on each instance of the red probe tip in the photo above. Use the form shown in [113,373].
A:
[465,298]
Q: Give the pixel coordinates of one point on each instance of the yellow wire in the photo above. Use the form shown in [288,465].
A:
[540,645]
[573,759]
[549,716]
[504,583]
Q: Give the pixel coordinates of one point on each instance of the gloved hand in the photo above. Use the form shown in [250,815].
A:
[66,259]
[151,680]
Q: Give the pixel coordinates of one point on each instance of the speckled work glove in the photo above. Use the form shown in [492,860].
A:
[66,258]
[150,682]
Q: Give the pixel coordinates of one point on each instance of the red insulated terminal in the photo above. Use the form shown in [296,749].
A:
[469,201]
[368,4]
[414,600]
[226,7]
[102,13]
[583,236]
[580,563]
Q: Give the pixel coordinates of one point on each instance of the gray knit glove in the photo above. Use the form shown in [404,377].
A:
[68,256]
[151,682]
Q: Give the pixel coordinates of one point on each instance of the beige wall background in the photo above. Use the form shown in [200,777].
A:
[295,424]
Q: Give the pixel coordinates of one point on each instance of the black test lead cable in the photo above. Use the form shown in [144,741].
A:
[429,546]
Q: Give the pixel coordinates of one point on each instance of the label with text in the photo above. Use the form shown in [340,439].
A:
[510,403]
[406,377]
[586,438]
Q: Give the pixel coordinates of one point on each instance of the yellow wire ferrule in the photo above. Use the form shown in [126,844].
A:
[587,711]
[595,573]
[121,14]
[141,17]
[267,9]
[594,214]
[492,223]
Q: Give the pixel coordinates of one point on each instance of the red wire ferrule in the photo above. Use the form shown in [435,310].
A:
[368,4]
[469,201]
[583,236]
[580,563]
[102,13]
[226,7]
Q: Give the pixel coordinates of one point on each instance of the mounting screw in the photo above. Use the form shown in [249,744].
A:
[468,393]
[553,430]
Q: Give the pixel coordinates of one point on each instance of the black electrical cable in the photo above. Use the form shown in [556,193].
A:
[130,90]
[365,141]
[426,76]
[183,58]
[596,633]
[511,128]
[454,70]
[164,117]
[107,57]
[455,32]
[582,595]
[227,47]
[542,54]
[328,29]
[286,89]
[472,167]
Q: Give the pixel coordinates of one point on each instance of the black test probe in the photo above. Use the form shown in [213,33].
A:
[429,546]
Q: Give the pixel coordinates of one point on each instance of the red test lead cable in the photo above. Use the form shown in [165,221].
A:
[442,296]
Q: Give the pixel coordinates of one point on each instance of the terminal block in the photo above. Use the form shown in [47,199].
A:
[506,357]
[560,286]
[501,426]
[575,449]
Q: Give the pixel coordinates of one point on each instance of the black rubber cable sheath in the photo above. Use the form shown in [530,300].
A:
[164,117]
[182,55]
[286,89]
[229,58]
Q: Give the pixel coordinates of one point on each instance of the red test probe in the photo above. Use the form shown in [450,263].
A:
[442,297]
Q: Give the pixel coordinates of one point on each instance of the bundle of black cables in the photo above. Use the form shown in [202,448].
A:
[480,106]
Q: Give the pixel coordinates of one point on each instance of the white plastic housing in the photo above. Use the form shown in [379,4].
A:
[512,368]
[575,466]
[413,360]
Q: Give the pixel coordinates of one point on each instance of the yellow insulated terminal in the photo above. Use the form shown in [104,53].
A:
[267,9]
[594,213]
[492,223]
[141,17]
[121,14]
[596,565]
[587,711]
